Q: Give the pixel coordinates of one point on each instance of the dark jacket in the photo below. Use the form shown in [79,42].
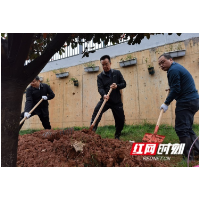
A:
[104,82]
[182,86]
[34,95]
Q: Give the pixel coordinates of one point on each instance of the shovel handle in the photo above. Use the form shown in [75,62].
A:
[31,111]
[101,108]
[160,116]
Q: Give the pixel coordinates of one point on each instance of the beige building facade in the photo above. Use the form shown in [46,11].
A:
[142,97]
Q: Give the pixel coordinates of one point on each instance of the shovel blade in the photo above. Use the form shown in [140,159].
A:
[148,137]
[91,128]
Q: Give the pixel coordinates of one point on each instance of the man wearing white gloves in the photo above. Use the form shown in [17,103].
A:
[164,107]
[183,90]
[34,94]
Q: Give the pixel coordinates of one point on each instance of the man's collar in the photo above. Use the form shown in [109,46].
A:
[170,66]
[105,73]
[41,85]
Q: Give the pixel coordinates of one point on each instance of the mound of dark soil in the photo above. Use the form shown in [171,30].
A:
[80,149]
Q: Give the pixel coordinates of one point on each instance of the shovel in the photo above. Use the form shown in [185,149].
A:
[99,112]
[148,137]
[31,111]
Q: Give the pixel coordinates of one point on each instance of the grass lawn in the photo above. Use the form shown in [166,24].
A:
[137,132]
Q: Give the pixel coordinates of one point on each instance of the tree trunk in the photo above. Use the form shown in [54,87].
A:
[11,100]
[14,79]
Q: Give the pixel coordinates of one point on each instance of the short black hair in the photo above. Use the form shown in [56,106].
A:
[37,78]
[104,57]
[166,55]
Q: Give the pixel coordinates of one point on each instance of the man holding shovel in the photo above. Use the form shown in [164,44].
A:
[110,78]
[183,90]
[34,94]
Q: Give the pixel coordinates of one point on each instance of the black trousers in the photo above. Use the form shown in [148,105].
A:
[185,112]
[118,114]
[44,120]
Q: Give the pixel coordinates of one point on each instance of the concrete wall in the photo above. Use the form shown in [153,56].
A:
[73,106]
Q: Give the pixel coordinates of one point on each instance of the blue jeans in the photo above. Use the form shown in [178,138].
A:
[185,112]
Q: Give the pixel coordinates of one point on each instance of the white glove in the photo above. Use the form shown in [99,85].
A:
[27,115]
[44,97]
[164,107]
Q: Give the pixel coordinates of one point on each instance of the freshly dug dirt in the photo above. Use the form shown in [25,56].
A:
[80,148]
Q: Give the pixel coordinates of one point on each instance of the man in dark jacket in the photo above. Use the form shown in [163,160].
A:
[110,78]
[34,94]
[183,90]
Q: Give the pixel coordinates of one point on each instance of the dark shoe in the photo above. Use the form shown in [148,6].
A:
[117,138]
[94,129]
[117,135]
[188,144]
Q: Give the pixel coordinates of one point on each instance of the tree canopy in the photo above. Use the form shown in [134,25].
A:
[40,41]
